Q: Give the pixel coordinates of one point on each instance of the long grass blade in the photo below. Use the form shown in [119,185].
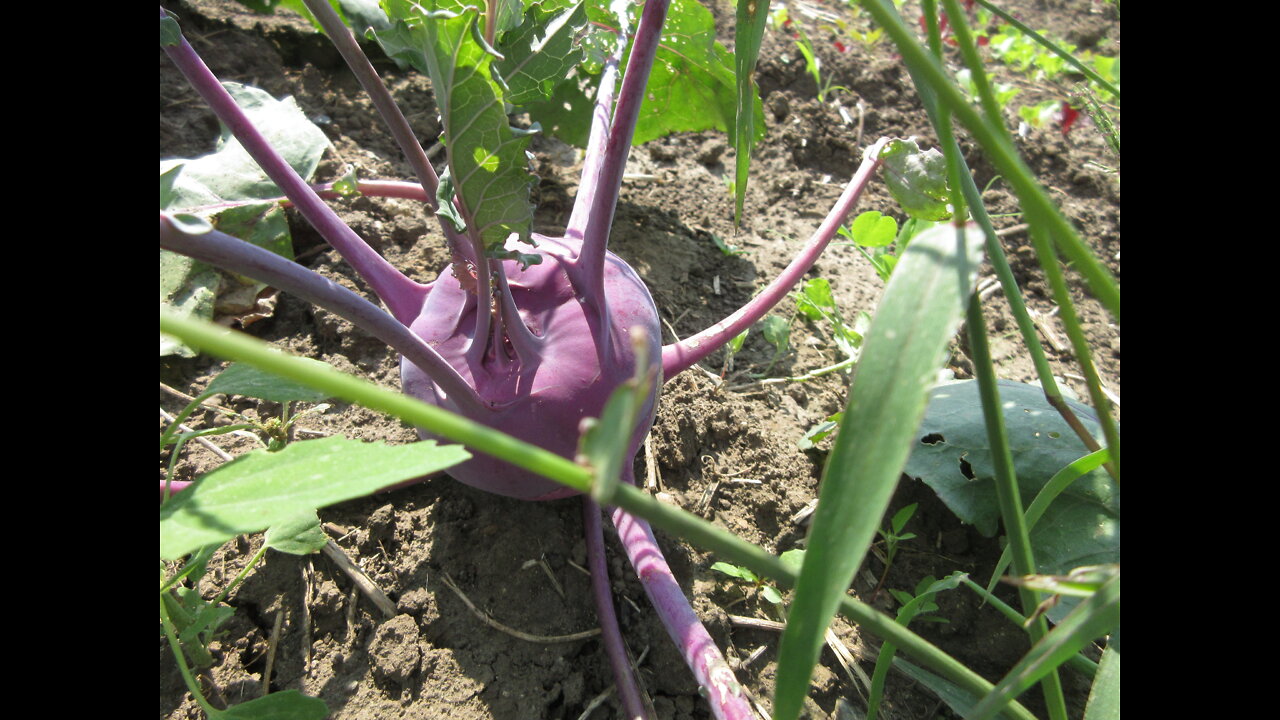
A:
[1093,618]
[920,312]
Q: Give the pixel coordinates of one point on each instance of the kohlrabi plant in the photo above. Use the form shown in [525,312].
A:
[525,333]
[542,354]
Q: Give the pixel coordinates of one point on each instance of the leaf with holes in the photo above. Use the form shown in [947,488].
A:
[1081,527]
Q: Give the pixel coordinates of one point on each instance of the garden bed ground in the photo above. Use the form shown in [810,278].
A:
[435,658]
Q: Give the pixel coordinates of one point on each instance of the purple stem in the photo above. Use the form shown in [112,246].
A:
[238,256]
[629,692]
[682,355]
[391,114]
[603,201]
[593,161]
[402,296]
[713,674]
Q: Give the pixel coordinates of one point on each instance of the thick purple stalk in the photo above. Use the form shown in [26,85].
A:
[700,652]
[603,195]
[682,355]
[593,161]
[628,691]
[402,296]
[403,134]
[238,256]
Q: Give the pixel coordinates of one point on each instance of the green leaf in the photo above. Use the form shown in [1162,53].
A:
[283,705]
[734,571]
[901,518]
[261,489]
[542,51]
[246,380]
[205,186]
[871,229]
[229,174]
[777,332]
[793,559]
[190,289]
[917,179]
[953,456]
[692,87]
[905,346]
[299,535]
[752,17]
[1104,696]
[770,593]
[819,432]
[488,162]
[170,33]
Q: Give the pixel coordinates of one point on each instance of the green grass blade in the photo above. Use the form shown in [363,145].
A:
[920,312]
[1093,618]
[753,15]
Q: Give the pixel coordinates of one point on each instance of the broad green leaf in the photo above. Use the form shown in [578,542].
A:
[190,288]
[299,535]
[229,174]
[904,348]
[753,15]
[692,86]
[953,456]
[917,179]
[246,380]
[207,185]
[1104,696]
[283,705]
[487,160]
[1044,499]
[1093,618]
[261,488]
[871,229]
[542,51]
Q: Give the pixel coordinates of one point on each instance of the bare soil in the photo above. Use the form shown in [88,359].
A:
[521,562]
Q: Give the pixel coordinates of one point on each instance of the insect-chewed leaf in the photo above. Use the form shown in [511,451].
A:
[918,179]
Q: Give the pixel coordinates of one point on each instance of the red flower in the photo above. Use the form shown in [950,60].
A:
[1069,115]
[839,46]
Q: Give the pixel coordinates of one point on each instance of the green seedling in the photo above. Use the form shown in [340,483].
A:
[880,240]
[724,247]
[915,606]
[732,348]
[755,585]
[893,535]
[813,63]
[777,332]
[752,582]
